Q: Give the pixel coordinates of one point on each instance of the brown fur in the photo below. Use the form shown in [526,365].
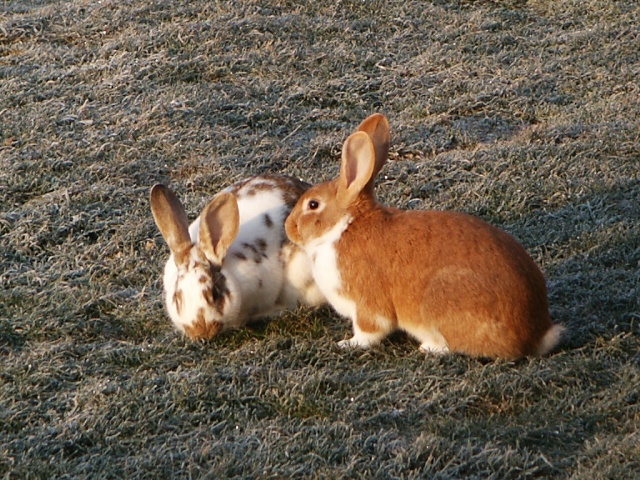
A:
[220,292]
[178,299]
[172,221]
[471,281]
[441,272]
[201,330]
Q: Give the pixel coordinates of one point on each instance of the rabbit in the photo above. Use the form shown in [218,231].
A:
[234,263]
[450,280]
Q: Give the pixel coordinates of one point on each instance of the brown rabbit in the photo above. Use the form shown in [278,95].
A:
[452,281]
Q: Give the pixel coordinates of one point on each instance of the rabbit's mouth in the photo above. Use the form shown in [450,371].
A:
[328,239]
[200,329]
[291,229]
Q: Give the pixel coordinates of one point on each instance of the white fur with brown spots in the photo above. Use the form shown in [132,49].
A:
[234,263]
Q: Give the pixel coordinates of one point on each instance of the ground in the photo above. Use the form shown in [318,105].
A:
[526,114]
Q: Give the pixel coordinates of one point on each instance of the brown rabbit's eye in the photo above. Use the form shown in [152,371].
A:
[313,204]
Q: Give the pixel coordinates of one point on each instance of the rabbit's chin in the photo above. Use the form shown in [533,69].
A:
[324,264]
[312,245]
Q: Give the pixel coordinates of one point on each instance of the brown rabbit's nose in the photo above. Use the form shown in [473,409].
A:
[291,228]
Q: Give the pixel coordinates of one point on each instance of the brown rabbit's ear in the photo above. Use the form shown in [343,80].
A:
[377,127]
[219,225]
[171,220]
[356,170]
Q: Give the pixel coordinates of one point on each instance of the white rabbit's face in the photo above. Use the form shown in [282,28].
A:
[197,296]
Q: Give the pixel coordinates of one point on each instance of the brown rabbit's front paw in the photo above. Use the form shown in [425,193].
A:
[430,348]
[362,340]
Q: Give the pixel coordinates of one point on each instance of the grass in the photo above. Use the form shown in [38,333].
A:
[526,114]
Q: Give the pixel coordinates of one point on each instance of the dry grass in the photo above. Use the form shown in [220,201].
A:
[524,113]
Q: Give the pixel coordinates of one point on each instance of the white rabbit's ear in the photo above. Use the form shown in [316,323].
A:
[171,220]
[219,225]
[356,170]
[377,127]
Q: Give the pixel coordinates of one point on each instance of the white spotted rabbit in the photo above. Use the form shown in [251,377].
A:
[234,263]
[452,281]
